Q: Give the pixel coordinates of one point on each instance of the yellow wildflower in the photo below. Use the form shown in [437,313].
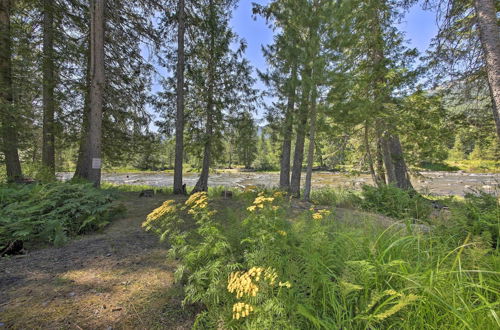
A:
[278,194]
[285,284]
[199,199]
[317,216]
[251,208]
[166,208]
[241,309]
[241,283]
[282,232]
[325,212]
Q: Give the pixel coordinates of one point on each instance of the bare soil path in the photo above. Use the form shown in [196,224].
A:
[116,279]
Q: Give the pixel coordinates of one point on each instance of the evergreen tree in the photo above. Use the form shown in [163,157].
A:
[8,116]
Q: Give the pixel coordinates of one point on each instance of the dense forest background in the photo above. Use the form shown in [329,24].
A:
[339,74]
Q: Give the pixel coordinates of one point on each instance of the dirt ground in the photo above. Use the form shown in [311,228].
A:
[116,279]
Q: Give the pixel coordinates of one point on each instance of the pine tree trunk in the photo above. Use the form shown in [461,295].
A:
[81,170]
[96,91]
[489,34]
[395,167]
[286,148]
[310,152]
[202,184]
[375,178]
[48,132]
[298,156]
[7,116]
[400,169]
[179,122]
[379,169]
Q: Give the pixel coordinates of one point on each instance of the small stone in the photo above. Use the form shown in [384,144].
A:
[71,294]
[108,255]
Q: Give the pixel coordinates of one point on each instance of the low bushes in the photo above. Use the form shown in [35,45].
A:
[52,212]
[387,200]
[251,267]
[395,202]
[479,214]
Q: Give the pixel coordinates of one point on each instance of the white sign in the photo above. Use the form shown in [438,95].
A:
[96,163]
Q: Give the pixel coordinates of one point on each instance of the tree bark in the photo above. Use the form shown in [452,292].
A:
[395,167]
[202,184]
[93,163]
[298,155]
[179,122]
[369,156]
[48,132]
[489,34]
[310,152]
[286,148]
[83,155]
[379,170]
[7,115]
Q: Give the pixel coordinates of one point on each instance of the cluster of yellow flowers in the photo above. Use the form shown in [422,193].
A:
[259,202]
[282,232]
[320,214]
[285,284]
[166,208]
[278,194]
[245,283]
[197,201]
[241,310]
[241,282]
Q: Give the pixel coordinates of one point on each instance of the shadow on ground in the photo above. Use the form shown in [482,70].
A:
[117,279]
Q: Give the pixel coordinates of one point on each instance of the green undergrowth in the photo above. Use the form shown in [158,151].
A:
[476,166]
[386,200]
[52,212]
[251,266]
[134,188]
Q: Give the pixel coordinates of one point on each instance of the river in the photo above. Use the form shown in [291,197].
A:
[437,183]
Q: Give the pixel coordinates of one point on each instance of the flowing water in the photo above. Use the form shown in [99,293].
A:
[437,183]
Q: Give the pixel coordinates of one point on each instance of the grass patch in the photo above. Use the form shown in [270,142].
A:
[336,197]
[135,188]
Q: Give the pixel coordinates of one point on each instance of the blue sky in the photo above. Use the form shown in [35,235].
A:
[419,26]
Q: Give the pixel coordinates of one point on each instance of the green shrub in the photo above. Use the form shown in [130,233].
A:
[395,202]
[335,197]
[479,214]
[52,212]
[251,268]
